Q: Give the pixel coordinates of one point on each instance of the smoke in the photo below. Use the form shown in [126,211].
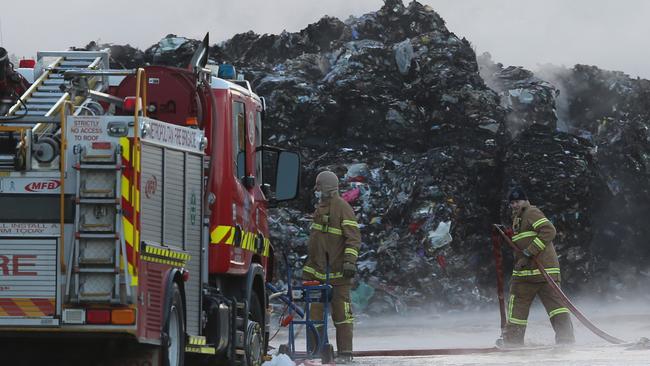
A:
[557,75]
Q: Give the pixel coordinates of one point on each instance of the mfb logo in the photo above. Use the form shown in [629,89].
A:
[45,185]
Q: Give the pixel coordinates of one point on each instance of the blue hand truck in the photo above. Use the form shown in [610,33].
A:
[307,294]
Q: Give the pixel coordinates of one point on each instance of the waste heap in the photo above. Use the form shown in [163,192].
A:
[393,102]
[612,111]
[426,150]
[527,98]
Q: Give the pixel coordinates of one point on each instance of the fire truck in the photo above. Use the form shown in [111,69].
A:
[134,212]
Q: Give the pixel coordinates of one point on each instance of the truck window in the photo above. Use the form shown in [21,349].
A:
[239,137]
[258,143]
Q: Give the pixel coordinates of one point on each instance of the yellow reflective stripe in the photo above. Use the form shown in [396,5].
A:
[250,241]
[347,310]
[518,321]
[171,262]
[512,320]
[224,234]
[525,234]
[335,231]
[219,233]
[511,303]
[540,244]
[319,275]
[327,229]
[125,143]
[197,340]
[350,223]
[346,321]
[126,189]
[246,240]
[535,272]
[557,311]
[540,222]
[267,247]
[352,251]
[167,254]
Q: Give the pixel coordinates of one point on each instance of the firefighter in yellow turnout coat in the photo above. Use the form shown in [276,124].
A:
[334,235]
[533,234]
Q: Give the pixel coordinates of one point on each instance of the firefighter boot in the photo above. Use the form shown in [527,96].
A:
[343,358]
[563,329]
[513,335]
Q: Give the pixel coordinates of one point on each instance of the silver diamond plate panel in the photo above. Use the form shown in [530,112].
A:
[97,184]
[96,285]
[96,251]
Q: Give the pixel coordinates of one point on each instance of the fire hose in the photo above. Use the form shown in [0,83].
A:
[498,259]
[565,300]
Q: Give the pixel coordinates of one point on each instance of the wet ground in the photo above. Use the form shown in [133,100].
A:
[625,320]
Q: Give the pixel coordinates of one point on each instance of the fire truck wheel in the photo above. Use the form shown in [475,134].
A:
[255,349]
[174,352]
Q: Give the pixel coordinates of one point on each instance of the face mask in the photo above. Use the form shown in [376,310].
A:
[317,194]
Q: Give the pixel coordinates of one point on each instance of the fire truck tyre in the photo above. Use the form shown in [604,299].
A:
[174,351]
[255,345]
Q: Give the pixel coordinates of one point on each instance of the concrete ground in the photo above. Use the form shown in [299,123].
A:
[625,320]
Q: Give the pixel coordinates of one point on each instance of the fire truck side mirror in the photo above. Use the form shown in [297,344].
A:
[287,177]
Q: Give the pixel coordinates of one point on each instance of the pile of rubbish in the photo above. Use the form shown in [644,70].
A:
[427,139]
[528,99]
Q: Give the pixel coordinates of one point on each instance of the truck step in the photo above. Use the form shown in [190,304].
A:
[109,166]
[96,270]
[96,261]
[81,235]
[98,201]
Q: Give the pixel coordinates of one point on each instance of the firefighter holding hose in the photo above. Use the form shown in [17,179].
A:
[533,234]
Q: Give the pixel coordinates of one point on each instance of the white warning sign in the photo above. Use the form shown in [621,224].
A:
[86,129]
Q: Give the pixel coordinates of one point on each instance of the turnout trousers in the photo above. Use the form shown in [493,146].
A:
[521,297]
[341,309]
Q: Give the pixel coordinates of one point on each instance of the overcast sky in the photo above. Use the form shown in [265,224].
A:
[610,34]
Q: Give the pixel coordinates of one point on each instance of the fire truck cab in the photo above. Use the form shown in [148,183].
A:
[135,210]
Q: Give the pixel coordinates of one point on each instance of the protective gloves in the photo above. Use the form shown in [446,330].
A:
[349,269]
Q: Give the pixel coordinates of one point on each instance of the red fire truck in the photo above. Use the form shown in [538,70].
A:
[134,212]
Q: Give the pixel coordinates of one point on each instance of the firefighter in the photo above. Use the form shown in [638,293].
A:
[533,234]
[335,237]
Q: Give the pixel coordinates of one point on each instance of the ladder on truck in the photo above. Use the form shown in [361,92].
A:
[49,92]
[94,271]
